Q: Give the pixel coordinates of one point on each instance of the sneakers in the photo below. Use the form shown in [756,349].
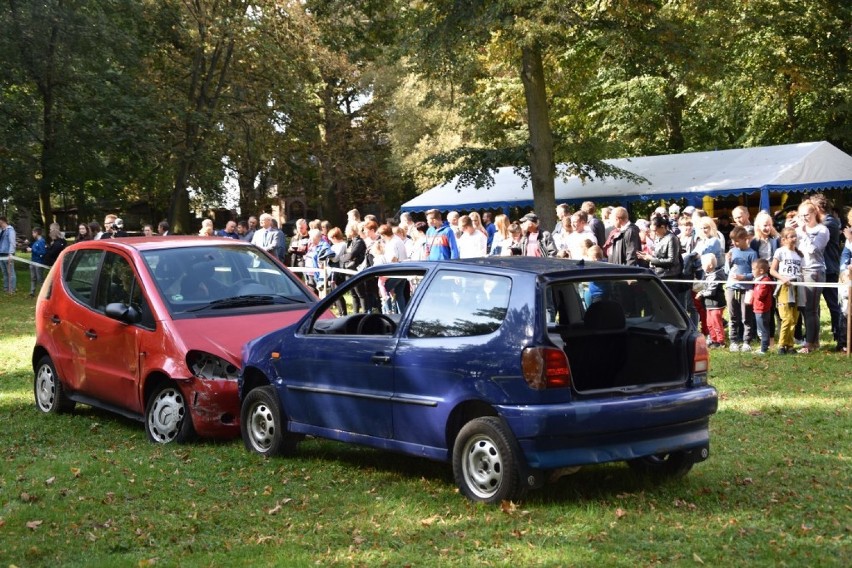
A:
[783,350]
[761,352]
[734,348]
[745,347]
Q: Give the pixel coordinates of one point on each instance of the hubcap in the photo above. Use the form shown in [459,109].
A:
[45,388]
[166,415]
[261,427]
[482,466]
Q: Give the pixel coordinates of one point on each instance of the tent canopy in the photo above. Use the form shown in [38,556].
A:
[808,166]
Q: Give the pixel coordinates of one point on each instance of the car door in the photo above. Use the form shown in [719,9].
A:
[453,347]
[69,313]
[112,358]
[345,380]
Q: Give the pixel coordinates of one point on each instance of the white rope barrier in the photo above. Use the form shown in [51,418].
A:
[328,271]
[28,261]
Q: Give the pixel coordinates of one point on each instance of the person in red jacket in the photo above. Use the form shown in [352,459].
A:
[764,288]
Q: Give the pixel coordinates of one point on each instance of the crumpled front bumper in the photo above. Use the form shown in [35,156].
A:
[214,406]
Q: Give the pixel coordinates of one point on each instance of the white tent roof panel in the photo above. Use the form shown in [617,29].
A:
[792,167]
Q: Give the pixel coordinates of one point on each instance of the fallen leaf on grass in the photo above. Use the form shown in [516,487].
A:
[50,480]
[508,507]
[620,513]
[75,471]
[33,525]
[697,558]
[428,522]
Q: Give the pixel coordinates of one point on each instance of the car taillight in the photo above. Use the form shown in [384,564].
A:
[700,361]
[545,368]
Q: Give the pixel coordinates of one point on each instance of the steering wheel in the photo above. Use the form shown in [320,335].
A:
[376,324]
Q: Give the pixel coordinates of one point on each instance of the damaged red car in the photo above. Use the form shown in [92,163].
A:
[152,329]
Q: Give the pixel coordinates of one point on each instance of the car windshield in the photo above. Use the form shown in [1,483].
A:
[220,277]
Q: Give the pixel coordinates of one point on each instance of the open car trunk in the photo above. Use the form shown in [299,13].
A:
[619,335]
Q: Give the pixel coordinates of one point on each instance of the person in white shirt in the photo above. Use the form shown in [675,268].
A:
[472,242]
[577,241]
[266,237]
[394,251]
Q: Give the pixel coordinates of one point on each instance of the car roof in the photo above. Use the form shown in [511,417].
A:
[545,267]
[159,243]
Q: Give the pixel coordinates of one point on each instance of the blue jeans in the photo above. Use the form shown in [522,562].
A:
[36,278]
[764,323]
[10,278]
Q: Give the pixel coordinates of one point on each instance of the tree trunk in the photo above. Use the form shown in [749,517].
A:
[179,217]
[48,150]
[542,167]
[674,118]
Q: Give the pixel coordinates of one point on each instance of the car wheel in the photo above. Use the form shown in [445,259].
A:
[485,461]
[663,466]
[167,416]
[50,397]
[263,425]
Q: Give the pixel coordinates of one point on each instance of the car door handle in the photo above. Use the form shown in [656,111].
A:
[55,319]
[380,359]
[91,334]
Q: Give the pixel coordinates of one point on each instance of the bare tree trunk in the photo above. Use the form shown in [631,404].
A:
[542,166]
[211,62]
[674,105]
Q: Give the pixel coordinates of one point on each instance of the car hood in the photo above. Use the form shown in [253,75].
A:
[225,336]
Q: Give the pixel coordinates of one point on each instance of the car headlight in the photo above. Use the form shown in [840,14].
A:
[207,366]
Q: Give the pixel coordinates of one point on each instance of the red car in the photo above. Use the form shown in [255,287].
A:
[152,329]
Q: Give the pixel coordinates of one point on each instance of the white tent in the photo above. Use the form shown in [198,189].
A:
[808,166]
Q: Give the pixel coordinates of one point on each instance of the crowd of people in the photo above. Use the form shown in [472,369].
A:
[768,284]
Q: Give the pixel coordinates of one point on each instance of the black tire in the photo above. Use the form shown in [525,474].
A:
[485,462]
[48,392]
[263,425]
[167,417]
[663,466]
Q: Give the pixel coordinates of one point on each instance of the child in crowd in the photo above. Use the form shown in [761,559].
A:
[595,291]
[738,261]
[787,268]
[762,302]
[844,282]
[387,300]
[710,290]
[37,248]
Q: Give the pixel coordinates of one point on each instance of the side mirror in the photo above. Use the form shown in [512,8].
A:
[123,313]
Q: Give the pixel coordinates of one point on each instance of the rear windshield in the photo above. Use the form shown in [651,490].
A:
[195,279]
[636,302]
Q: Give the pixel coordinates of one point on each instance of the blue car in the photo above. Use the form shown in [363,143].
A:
[512,368]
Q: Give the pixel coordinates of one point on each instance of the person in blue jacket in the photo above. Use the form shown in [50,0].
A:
[440,239]
[37,248]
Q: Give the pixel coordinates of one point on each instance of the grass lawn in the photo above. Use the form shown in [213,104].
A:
[88,488]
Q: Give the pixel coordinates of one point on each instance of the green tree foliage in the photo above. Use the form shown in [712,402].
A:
[74,121]
[108,102]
